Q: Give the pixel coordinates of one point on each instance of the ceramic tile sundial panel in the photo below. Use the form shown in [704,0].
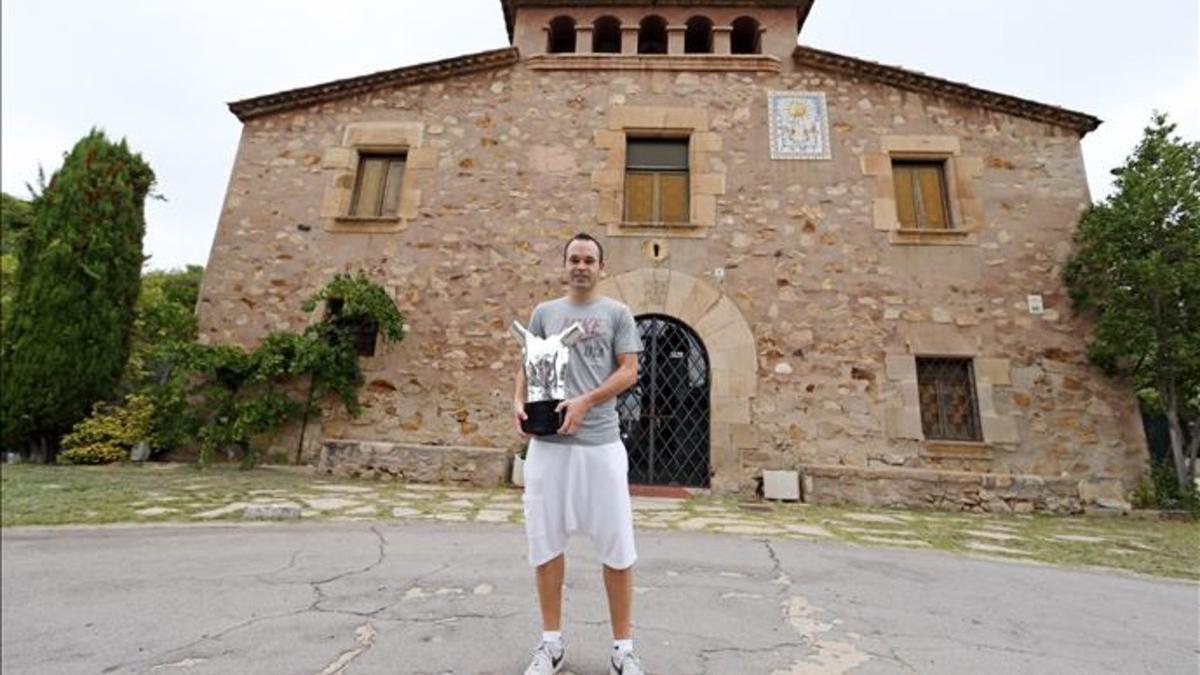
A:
[799,125]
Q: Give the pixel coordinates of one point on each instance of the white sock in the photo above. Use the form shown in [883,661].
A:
[554,636]
[622,647]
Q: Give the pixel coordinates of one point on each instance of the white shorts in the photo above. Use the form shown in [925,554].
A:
[578,488]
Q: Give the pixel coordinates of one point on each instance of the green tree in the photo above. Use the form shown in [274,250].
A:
[166,307]
[164,319]
[1137,271]
[163,328]
[16,215]
[77,285]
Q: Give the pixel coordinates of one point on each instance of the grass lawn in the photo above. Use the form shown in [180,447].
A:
[1162,548]
[60,495]
[75,495]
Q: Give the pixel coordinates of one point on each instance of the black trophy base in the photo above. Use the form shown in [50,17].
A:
[541,419]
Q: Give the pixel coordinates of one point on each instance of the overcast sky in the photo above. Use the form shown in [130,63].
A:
[160,72]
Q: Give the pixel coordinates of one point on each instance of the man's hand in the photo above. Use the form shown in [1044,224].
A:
[575,409]
[520,416]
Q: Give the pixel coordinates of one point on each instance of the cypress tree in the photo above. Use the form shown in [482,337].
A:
[77,285]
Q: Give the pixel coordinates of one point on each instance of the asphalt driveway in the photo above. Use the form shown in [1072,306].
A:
[445,597]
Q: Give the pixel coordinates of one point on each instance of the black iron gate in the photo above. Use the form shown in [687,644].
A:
[664,417]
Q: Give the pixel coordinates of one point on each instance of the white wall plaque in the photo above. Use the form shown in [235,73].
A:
[1035,303]
[799,123]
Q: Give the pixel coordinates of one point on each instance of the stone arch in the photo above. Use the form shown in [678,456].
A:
[652,35]
[733,358]
[560,38]
[746,37]
[698,37]
[606,35]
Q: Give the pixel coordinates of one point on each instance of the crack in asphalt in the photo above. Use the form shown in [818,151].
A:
[365,636]
[262,576]
[203,638]
[381,541]
[750,650]
[321,597]
[447,619]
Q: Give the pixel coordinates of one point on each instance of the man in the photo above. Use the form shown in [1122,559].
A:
[577,480]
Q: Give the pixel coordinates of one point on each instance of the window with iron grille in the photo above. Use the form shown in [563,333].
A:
[921,198]
[377,186]
[656,180]
[362,332]
[949,409]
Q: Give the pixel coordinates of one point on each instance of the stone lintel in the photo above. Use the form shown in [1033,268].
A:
[947,145]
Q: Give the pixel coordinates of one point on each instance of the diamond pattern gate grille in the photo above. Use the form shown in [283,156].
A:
[949,409]
[664,417]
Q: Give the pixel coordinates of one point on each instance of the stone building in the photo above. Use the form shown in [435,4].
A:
[840,267]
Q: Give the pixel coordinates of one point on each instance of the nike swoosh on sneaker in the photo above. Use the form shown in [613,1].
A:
[554,662]
[619,667]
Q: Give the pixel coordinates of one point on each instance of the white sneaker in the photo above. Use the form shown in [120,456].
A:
[626,664]
[548,659]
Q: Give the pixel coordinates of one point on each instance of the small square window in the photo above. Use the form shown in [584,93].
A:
[377,186]
[949,408]
[921,198]
[362,333]
[656,180]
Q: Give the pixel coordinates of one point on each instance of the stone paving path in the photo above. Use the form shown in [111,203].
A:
[340,502]
[168,494]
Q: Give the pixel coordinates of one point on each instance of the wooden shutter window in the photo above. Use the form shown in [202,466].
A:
[906,203]
[932,199]
[921,198]
[639,196]
[377,186]
[673,197]
[656,180]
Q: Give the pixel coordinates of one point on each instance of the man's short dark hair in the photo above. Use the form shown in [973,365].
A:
[584,236]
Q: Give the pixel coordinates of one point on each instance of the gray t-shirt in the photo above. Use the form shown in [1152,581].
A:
[608,329]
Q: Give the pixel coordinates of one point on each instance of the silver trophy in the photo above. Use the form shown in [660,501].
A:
[545,371]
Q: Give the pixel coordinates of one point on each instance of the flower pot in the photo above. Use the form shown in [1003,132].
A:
[518,471]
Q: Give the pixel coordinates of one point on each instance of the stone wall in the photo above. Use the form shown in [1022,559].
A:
[944,490]
[482,467]
[510,163]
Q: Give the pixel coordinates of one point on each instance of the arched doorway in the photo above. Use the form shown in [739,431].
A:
[665,416]
[729,348]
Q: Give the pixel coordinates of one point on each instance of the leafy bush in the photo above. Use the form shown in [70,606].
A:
[239,395]
[360,299]
[1161,491]
[109,432]
[225,395]
[242,394]
[93,453]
